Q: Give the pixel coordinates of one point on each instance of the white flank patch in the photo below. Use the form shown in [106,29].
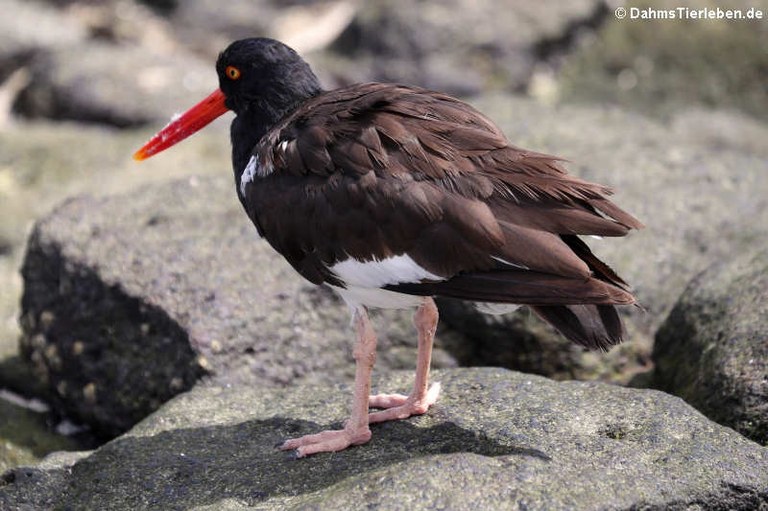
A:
[375,274]
[496,309]
[378,298]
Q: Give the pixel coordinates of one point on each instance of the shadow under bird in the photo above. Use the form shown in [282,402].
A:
[392,195]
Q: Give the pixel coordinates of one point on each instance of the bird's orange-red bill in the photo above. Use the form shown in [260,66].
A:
[184,125]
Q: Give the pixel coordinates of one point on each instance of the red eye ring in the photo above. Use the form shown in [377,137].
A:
[232,72]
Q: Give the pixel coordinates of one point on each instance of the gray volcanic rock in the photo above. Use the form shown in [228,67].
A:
[44,163]
[116,85]
[495,440]
[28,27]
[699,186]
[713,349]
[130,300]
[458,46]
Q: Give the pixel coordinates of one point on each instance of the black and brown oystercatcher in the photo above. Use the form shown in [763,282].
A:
[391,195]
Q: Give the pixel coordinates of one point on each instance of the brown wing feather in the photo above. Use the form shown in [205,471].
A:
[592,326]
[521,286]
[397,170]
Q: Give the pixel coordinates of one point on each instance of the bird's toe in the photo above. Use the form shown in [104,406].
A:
[404,408]
[326,441]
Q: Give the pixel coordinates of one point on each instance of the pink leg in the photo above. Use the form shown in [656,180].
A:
[356,429]
[418,402]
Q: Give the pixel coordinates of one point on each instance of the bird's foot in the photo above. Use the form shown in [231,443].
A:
[398,406]
[327,441]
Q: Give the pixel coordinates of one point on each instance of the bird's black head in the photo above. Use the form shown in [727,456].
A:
[261,80]
[265,75]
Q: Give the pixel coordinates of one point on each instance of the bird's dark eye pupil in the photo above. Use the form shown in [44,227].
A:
[232,72]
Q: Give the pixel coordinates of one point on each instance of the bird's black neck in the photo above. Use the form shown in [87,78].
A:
[259,116]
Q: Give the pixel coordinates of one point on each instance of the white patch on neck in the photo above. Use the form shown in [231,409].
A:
[379,273]
[247,175]
[252,170]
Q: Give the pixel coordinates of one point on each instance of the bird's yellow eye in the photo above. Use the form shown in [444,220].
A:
[232,72]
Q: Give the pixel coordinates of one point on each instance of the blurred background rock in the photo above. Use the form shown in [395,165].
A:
[83,83]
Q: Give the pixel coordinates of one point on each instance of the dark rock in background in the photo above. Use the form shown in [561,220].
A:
[459,46]
[86,62]
[29,27]
[208,26]
[107,359]
[130,300]
[495,440]
[41,163]
[572,51]
[713,348]
[116,85]
[156,71]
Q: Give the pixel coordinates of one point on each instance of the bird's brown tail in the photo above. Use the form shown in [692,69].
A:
[592,326]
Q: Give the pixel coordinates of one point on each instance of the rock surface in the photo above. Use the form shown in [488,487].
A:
[713,349]
[130,300]
[39,169]
[495,440]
